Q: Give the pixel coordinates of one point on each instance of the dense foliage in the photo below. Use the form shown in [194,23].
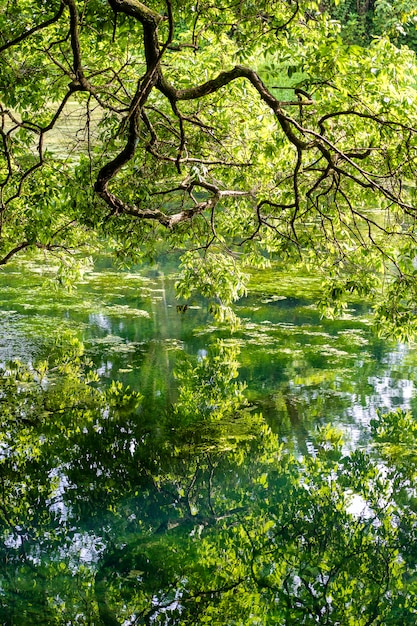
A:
[363,20]
[237,134]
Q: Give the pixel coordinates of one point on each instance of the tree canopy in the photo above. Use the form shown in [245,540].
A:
[238,134]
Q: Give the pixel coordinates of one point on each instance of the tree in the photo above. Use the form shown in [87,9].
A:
[362,20]
[238,134]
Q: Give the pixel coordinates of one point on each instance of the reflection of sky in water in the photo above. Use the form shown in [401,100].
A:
[85,548]
[100,320]
[388,394]
[357,506]
[392,393]
[56,501]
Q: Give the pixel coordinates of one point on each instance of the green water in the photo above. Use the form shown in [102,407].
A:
[261,476]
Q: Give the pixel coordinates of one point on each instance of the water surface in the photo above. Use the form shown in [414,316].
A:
[243,477]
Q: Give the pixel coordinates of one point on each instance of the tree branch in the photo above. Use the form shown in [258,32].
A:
[34,29]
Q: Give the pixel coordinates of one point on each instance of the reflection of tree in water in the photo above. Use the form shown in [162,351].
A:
[111,514]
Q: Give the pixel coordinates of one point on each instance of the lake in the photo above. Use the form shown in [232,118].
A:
[157,468]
